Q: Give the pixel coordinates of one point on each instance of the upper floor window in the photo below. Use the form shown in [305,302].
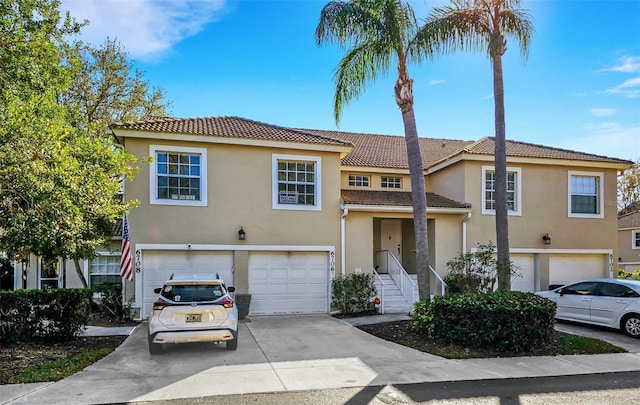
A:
[358,181]
[635,239]
[514,190]
[296,182]
[178,176]
[585,194]
[391,182]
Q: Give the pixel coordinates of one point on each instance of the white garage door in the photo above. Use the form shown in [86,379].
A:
[525,281]
[565,269]
[289,282]
[157,267]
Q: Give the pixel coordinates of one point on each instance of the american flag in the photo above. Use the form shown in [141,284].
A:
[126,269]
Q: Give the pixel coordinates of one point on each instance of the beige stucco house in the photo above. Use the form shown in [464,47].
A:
[314,204]
[629,241]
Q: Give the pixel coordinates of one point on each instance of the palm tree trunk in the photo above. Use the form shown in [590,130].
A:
[404,98]
[502,218]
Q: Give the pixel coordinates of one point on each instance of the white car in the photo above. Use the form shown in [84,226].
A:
[193,308]
[609,302]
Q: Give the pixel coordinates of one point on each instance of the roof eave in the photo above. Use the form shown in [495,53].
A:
[404,209]
[180,137]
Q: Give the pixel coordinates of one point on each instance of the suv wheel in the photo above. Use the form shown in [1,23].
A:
[154,348]
[233,343]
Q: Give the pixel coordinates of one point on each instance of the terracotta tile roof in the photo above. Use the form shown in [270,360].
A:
[229,127]
[396,199]
[486,146]
[630,220]
[391,151]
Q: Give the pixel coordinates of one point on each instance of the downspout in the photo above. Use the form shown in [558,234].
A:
[464,232]
[343,238]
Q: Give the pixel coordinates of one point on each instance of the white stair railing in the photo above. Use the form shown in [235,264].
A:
[383,286]
[443,285]
[405,284]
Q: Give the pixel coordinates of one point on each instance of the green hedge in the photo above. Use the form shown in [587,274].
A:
[53,314]
[353,293]
[502,321]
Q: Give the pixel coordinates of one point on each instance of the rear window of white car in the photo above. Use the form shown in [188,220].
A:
[192,293]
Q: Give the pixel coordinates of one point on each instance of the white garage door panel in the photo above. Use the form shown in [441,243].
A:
[157,267]
[565,269]
[288,283]
[526,270]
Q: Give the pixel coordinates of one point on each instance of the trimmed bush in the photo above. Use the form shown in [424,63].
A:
[353,293]
[53,314]
[243,301]
[502,321]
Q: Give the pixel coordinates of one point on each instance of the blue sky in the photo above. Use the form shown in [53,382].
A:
[578,89]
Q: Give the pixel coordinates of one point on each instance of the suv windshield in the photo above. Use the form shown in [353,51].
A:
[191,293]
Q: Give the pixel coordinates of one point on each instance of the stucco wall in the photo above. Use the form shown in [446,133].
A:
[627,253]
[544,210]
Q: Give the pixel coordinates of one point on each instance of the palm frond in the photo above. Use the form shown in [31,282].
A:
[361,65]
[517,23]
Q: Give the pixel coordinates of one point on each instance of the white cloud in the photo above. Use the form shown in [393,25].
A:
[434,82]
[603,112]
[630,88]
[629,64]
[607,139]
[146,28]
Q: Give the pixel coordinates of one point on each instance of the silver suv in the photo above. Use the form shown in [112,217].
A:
[193,308]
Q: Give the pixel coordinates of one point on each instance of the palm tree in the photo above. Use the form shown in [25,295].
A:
[481,25]
[374,34]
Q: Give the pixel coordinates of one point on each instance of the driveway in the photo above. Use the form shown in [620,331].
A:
[282,353]
[613,336]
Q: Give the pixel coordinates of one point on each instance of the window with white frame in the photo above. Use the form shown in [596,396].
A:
[104,269]
[356,180]
[178,176]
[390,182]
[586,194]
[296,182]
[635,239]
[514,190]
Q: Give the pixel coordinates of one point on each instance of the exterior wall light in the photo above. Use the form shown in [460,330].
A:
[546,239]
[241,234]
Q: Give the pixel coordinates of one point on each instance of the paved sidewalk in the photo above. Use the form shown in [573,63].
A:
[109,331]
[280,354]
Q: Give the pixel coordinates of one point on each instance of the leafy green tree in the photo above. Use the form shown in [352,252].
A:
[482,26]
[58,183]
[107,88]
[629,189]
[375,34]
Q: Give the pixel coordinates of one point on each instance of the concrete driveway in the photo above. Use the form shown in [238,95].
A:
[283,353]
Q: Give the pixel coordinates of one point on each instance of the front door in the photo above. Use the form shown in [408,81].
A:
[391,237]
[50,274]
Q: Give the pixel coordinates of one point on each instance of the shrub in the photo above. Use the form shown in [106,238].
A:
[243,301]
[53,314]
[422,317]
[622,273]
[353,293]
[112,302]
[502,321]
[475,272]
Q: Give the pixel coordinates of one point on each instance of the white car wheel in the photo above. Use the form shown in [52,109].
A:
[631,325]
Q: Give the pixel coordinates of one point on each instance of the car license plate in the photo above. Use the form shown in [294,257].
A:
[194,318]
